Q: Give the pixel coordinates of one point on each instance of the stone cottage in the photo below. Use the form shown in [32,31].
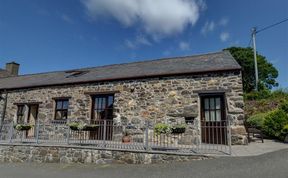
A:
[204,91]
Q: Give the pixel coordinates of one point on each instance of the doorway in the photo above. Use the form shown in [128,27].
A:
[213,119]
[32,120]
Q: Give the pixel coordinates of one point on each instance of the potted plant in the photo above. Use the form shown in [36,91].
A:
[84,127]
[161,128]
[73,125]
[178,129]
[126,137]
[23,127]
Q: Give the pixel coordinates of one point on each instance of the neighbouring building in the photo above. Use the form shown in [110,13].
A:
[202,90]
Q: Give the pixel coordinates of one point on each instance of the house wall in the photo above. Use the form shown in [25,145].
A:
[165,99]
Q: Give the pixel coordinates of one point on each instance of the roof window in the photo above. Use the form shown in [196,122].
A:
[75,73]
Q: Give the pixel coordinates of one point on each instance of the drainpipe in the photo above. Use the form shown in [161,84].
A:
[4,109]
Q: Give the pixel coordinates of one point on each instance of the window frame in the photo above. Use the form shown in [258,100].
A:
[61,110]
[106,108]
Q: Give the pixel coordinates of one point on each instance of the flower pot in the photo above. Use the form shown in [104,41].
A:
[126,139]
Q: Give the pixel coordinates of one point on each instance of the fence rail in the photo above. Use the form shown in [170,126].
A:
[106,134]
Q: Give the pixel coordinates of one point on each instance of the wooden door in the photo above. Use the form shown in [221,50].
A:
[213,120]
[102,110]
[32,120]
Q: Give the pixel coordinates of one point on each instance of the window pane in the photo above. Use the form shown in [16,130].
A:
[65,104]
[218,115]
[217,103]
[110,100]
[59,104]
[64,114]
[212,116]
[58,115]
[207,118]
[212,104]
[206,103]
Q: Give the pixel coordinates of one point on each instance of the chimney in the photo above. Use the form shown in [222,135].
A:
[12,68]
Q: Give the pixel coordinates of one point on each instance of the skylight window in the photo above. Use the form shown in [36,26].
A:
[75,73]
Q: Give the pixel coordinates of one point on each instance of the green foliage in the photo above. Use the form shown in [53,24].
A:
[284,106]
[274,123]
[161,128]
[257,120]
[23,127]
[259,103]
[257,95]
[267,72]
[179,128]
[285,130]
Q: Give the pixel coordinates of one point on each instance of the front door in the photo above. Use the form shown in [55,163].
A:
[102,111]
[213,120]
[32,120]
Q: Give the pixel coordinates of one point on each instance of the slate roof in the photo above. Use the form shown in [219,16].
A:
[219,61]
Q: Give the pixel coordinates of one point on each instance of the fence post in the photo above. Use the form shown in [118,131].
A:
[11,132]
[229,137]
[104,133]
[37,131]
[147,135]
[68,134]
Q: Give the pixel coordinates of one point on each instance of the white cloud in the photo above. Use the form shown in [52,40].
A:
[224,21]
[224,36]
[184,46]
[156,18]
[138,41]
[67,19]
[208,27]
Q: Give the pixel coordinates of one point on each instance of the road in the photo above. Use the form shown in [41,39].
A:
[271,165]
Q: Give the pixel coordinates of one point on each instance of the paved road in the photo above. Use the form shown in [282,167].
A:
[271,165]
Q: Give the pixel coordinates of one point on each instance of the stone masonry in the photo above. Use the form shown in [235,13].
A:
[165,99]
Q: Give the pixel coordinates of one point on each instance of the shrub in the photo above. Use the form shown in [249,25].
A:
[284,107]
[257,120]
[257,95]
[161,128]
[285,130]
[274,123]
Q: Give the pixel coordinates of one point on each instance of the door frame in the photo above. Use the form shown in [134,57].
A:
[218,130]
[33,129]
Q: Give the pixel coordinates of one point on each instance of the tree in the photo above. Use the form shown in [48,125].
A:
[267,72]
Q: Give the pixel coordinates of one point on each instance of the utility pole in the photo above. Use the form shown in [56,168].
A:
[254,31]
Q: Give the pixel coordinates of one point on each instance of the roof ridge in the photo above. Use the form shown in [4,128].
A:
[109,65]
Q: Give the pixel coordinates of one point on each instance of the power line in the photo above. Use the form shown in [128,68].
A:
[270,26]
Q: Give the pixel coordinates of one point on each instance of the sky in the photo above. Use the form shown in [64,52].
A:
[53,35]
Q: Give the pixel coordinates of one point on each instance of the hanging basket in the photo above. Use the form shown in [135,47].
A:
[22,127]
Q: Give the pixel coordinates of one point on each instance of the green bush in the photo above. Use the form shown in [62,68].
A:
[257,95]
[274,123]
[284,107]
[161,128]
[285,130]
[256,120]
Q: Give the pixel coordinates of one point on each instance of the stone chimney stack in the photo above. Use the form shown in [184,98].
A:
[12,68]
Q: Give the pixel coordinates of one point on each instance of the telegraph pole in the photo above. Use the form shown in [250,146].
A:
[254,31]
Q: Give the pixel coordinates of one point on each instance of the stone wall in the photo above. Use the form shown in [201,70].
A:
[62,154]
[165,99]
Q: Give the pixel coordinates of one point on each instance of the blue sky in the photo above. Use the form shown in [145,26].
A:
[49,35]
